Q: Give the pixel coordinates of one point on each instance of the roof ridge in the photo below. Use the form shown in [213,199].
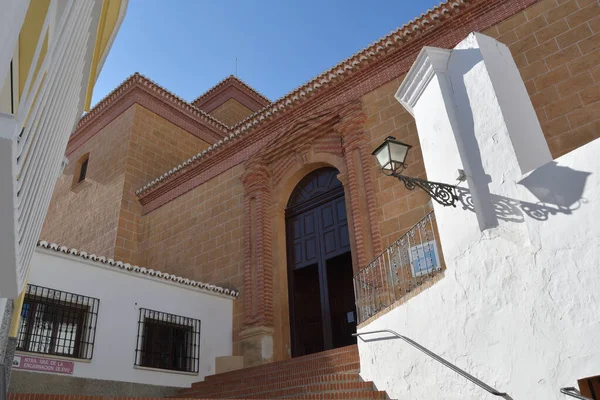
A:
[302,92]
[137,269]
[137,78]
[222,82]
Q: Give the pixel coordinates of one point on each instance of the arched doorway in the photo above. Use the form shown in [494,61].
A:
[321,293]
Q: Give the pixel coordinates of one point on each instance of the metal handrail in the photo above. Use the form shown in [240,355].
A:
[439,359]
[571,391]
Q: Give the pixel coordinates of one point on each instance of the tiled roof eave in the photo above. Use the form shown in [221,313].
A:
[335,74]
[135,269]
[149,86]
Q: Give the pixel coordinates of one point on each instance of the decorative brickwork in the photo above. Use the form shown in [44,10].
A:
[258,279]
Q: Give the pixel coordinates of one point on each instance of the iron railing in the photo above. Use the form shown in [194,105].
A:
[439,359]
[572,392]
[58,323]
[167,341]
[409,262]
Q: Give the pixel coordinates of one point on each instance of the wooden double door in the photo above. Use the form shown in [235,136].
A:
[321,293]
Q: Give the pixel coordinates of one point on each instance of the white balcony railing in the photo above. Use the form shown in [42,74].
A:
[34,138]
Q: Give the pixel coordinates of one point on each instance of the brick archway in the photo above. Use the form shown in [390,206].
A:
[281,195]
[331,138]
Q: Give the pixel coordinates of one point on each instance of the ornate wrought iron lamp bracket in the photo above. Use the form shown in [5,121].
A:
[443,193]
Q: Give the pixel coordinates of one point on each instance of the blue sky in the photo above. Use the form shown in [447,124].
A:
[187,46]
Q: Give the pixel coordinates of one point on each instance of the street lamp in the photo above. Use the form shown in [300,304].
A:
[391,156]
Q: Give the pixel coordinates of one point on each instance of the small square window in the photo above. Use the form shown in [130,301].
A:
[168,341]
[81,169]
[57,323]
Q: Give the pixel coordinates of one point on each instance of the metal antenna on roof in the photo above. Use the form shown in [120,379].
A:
[236,67]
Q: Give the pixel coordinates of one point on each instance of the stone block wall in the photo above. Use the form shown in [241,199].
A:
[231,112]
[398,209]
[155,146]
[200,236]
[85,216]
[556,45]
[101,215]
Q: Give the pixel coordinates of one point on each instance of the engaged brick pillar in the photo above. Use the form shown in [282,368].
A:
[257,334]
[359,181]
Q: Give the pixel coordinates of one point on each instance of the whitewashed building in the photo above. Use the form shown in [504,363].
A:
[51,53]
[50,56]
[89,317]
[516,305]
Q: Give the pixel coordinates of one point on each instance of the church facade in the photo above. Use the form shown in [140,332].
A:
[282,200]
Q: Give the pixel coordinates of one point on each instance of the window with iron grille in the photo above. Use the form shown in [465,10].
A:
[58,323]
[167,341]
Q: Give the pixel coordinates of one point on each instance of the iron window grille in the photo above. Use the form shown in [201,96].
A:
[58,323]
[167,341]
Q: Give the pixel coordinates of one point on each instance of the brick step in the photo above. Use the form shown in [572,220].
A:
[276,391]
[320,368]
[323,368]
[340,355]
[284,376]
[378,395]
[282,382]
[271,393]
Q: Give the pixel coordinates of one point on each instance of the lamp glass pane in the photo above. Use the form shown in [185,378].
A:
[398,152]
[383,156]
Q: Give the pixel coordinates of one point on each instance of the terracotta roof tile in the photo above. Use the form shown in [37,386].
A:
[169,97]
[134,269]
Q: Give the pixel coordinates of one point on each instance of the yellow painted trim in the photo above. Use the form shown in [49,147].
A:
[109,20]
[16,316]
[28,39]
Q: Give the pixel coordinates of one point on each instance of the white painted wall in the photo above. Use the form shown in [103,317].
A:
[121,295]
[519,304]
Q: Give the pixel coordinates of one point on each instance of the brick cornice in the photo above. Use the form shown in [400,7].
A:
[379,68]
[140,90]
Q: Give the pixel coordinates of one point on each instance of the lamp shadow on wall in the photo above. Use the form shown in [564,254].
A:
[559,191]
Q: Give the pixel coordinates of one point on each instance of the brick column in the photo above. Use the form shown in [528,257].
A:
[257,334]
[360,185]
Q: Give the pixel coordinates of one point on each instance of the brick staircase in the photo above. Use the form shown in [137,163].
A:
[331,374]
